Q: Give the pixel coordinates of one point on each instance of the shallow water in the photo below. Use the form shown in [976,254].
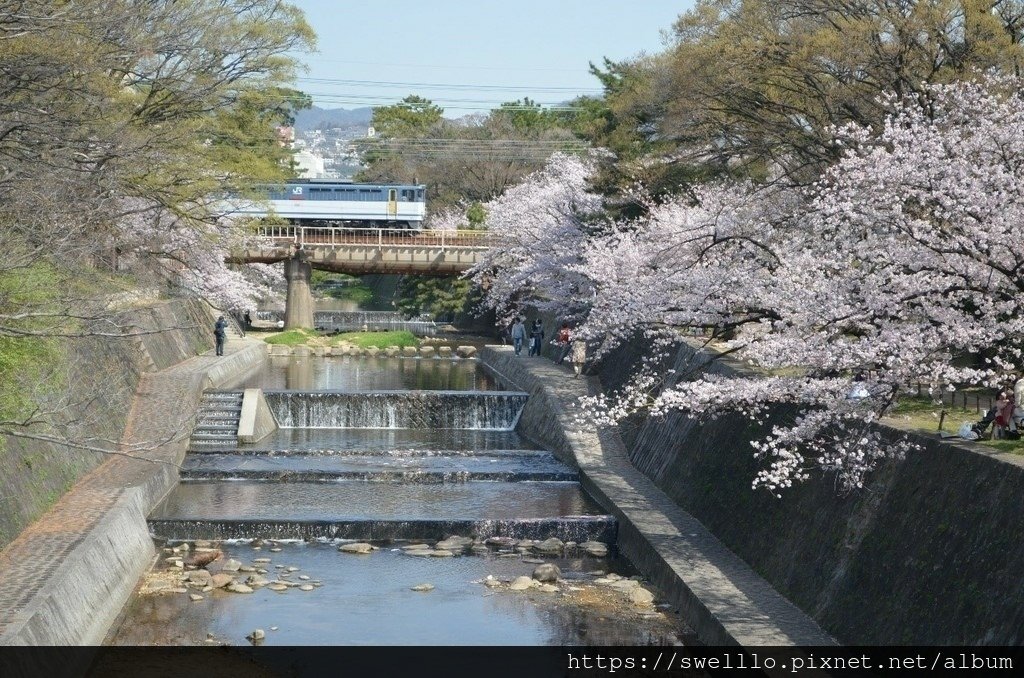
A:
[363,373]
[326,468]
[366,600]
[358,500]
[388,442]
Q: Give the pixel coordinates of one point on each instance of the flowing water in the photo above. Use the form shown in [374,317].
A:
[388,452]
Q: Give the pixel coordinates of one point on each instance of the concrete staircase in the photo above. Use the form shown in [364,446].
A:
[217,422]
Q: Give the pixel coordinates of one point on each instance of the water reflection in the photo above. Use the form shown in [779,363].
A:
[358,373]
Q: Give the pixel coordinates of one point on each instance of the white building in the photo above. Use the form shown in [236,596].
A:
[308,165]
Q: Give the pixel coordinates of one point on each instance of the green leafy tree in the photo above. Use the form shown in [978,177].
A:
[413,116]
[115,112]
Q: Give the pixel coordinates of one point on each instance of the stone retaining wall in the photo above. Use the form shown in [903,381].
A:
[928,553]
[716,593]
[103,375]
[68,574]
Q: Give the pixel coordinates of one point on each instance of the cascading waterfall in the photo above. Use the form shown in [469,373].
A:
[347,321]
[479,410]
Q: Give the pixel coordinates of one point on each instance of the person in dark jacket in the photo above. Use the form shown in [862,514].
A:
[536,337]
[220,334]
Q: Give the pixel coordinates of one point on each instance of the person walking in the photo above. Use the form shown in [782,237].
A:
[536,337]
[563,339]
[220,334]
[578,356]
[518,335]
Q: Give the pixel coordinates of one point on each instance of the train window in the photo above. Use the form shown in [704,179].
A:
[419,194]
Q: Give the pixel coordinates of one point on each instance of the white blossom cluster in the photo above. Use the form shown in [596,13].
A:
[542,225]
[902,265]
[188,255]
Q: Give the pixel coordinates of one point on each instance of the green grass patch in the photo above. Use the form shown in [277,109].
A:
[923,414]
[378,339]
[292,337]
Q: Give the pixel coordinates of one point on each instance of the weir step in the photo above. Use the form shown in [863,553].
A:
[569,528]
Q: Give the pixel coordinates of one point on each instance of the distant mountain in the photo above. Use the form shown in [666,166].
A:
[323,118]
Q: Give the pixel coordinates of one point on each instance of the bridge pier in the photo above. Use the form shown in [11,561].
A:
[298,307]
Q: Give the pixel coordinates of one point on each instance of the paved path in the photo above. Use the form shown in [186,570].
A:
[718,594]
[67,575]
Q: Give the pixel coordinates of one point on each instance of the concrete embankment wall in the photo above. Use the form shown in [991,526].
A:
[102,376]
[716,593]
[929,552]
[68,574]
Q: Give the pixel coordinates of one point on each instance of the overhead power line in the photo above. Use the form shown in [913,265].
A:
[546,89]
[451,67]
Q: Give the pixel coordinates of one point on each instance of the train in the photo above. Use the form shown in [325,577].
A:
[338,204]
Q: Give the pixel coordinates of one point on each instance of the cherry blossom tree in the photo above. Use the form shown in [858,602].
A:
[904,263]
[188,255]
[543,226]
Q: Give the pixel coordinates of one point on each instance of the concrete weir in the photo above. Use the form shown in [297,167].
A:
[69,574]
[719,595]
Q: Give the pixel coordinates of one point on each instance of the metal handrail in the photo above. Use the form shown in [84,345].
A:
[302,236]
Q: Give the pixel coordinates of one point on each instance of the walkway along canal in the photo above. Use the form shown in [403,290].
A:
[395,504]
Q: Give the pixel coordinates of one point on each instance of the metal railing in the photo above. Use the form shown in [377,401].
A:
[303,236]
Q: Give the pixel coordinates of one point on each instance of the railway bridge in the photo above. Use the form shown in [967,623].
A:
[357,252]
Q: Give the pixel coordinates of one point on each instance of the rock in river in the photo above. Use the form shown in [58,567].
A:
[641,596]
[423,587]
[358,547]
[522,583]
[547,572]
[221,580]
[552,545]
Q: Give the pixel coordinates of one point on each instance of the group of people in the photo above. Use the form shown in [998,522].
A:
[1006,417]
[1009,412]
[575,348]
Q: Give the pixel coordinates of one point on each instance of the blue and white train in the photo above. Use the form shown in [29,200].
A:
[343,205]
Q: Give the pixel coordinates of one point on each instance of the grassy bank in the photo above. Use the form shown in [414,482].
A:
[922,414]
[361,339]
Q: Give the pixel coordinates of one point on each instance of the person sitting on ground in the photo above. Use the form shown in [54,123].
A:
[1004,415]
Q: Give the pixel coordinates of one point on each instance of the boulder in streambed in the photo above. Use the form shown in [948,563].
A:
[360,548]
[522,583]
[547,572]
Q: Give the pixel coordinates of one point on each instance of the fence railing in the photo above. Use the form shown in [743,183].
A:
[303,236]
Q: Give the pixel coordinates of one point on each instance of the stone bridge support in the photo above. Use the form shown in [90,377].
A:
[298,309]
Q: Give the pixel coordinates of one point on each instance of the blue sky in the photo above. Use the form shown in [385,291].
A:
[471,56]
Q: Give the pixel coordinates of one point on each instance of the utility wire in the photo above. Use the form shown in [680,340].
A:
[450,86]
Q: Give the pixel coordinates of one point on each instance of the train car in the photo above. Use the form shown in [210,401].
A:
[339,204]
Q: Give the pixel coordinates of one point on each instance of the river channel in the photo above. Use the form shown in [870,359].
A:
[396,504]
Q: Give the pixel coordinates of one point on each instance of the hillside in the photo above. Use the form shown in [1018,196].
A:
[324,118]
